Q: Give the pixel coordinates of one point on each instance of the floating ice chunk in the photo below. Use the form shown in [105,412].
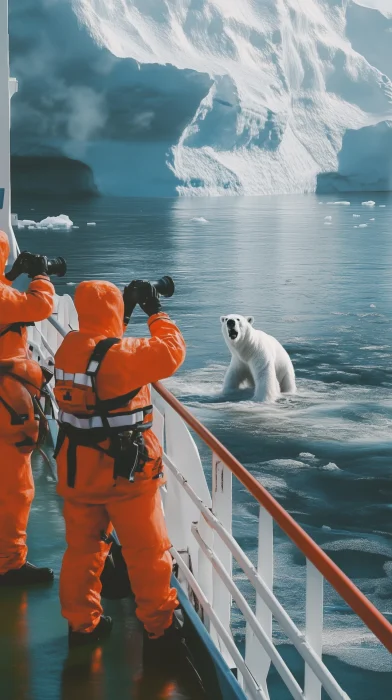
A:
[326,527]
[370,203]
[372,219]
[372,306]
[199,220]
[76,227]
[355,226]
[356,216]
[328,218]
[327,223]
[91,223]
[362,226]
[343,204]
[57,222]
[331,467]
[62,222]
[23,223]
[70,284]
[307,455]
[382,206]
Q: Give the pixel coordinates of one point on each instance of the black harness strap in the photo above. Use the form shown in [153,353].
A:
[118,402]
[15,328]
[101,408]
[93,367]
[71,462]
[16,418]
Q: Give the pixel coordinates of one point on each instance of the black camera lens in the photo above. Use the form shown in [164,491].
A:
[56,266]
[164,286]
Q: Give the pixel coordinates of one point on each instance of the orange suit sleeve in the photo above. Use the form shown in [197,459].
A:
[150,359]
[34,305]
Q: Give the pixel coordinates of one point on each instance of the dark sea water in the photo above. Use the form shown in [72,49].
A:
[324,289]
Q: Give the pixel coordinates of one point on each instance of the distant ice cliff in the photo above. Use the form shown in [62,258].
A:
[207,97]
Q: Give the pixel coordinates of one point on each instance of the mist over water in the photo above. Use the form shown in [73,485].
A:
[325,291]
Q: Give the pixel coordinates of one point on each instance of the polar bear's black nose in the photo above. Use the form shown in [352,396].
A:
[231,323]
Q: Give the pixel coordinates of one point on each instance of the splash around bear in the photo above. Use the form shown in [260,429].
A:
[257,359]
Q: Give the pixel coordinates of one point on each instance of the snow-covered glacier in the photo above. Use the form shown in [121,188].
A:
[207,97]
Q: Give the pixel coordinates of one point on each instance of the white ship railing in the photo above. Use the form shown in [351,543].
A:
[200,529]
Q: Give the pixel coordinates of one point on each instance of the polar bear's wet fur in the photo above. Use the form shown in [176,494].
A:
[257,359]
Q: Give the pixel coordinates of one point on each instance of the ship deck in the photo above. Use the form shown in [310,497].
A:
[34,659]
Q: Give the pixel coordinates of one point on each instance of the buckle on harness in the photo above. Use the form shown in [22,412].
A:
[129,453]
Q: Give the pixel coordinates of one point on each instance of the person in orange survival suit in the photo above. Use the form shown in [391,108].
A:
[21,379]
[110,461]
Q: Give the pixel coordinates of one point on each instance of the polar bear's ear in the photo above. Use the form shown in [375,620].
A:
[251,320]
[223,319]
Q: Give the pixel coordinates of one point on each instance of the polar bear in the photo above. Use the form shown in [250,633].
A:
[256,358]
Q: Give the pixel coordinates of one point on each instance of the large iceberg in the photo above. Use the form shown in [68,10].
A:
[208,97]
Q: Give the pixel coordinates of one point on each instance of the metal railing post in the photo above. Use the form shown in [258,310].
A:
[256,657]
[314,626]
[222,507]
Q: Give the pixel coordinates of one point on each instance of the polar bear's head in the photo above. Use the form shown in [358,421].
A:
[235,328]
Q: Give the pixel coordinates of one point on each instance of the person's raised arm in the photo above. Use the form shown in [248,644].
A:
[35,304]
[158,357]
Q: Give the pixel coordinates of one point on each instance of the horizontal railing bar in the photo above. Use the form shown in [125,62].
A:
[255,690]
[45,342]
[250,617]
[59,328]
[358,602]
[291,630]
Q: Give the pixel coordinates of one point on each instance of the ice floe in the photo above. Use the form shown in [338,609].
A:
[60,223]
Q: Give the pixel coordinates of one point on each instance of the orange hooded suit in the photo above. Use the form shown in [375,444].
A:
[94,499]
[16,480]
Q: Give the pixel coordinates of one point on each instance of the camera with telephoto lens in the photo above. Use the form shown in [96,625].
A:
[28,262]
[164,286]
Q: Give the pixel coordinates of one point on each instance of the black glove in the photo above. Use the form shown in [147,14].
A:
[28,263]
[131,298]
[147,297]
[19,266]
[36,265]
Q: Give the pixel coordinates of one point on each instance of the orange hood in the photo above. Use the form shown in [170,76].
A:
[4,253]
[100,309]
